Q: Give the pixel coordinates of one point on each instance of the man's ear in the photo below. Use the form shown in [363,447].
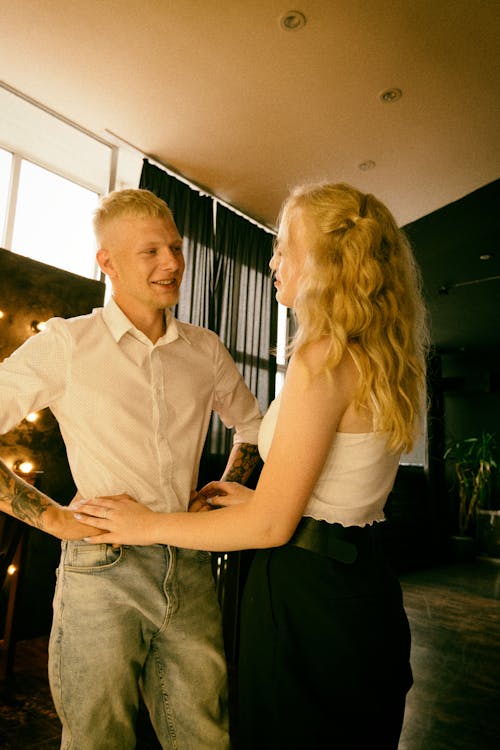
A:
[105,262]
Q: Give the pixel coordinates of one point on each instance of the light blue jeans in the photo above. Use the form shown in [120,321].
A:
[137,618]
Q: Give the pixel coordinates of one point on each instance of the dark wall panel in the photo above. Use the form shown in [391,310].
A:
[31,291]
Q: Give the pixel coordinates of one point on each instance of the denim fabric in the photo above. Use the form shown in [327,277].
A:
[137,618]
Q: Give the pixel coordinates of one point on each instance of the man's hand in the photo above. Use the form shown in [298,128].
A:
[223,494]
[60,521]
[198,503]
[242,461]
[27,504]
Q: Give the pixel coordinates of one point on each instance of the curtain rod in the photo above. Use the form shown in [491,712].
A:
[199,188]
[55,114]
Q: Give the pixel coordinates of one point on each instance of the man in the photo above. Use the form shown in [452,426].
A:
[133,390]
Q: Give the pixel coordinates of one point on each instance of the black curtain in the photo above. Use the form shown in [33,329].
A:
[246,314]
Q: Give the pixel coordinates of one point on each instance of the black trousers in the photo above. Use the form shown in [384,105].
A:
[324,651]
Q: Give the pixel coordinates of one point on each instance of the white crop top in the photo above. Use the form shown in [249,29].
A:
[357,477]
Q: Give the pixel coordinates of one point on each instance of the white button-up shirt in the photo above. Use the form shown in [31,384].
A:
[133,414]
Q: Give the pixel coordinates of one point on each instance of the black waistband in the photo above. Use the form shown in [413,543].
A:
[332,539]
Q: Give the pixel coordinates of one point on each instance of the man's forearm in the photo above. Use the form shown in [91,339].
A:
[243,459]
[26,503]
[21,500]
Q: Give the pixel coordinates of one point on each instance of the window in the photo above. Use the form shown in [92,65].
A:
[418,456]
[52,173]
[283,336]
[5,171]
[53,221]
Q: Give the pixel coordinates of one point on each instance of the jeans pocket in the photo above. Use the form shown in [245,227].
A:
[81,557]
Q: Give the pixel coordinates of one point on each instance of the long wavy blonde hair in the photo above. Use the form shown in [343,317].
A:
[361,287]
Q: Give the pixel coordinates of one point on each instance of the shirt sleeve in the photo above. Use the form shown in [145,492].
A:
[234,403]
[33,376]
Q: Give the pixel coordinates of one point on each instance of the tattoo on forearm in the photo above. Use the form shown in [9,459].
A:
[244,463]
[20,499]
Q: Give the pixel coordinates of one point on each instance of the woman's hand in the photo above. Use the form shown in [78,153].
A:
[122,519]
[222,494]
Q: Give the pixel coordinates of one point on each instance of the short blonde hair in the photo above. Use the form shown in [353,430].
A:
[361,288]
[129,202]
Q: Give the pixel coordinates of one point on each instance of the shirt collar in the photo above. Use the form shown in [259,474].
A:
[119,325]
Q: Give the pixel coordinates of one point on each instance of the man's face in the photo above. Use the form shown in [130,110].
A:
[142,255]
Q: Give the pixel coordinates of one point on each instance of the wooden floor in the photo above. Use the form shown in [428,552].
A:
[454,613]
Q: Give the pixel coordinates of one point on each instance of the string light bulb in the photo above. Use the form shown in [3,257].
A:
[38,325]
[24,466]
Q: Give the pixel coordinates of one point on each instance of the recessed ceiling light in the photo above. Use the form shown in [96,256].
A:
[390,95]
[292,20]
[366,165]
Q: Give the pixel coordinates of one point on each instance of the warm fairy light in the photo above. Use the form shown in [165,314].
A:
[32,416]
[1,314]
[38,325]
[11,570]
[26,467]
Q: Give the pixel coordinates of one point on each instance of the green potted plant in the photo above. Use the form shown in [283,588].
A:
[475,463]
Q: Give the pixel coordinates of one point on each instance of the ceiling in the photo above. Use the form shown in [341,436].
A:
[219,92]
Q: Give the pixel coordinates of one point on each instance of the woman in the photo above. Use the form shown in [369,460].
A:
[325,640]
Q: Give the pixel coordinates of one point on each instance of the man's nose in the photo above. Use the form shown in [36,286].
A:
[169,258]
